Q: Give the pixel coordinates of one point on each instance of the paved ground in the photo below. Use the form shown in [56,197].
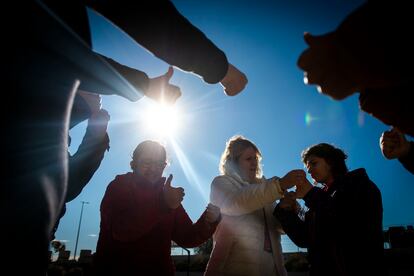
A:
[391,273]
[201,274]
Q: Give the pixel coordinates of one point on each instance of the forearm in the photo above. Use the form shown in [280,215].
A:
[137,78]
[191,235]
[159,27]
[408,160]
[84,164]
[317,199]
[247,199]
[293,226]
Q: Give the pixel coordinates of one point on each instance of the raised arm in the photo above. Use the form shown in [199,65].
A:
[235,200]
[160,28]
[187,234]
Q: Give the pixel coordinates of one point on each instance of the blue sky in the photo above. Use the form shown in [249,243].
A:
[276,110]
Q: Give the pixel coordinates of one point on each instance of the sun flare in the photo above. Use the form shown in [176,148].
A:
[162,119]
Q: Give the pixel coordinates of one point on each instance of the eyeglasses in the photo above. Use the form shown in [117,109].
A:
[152,163]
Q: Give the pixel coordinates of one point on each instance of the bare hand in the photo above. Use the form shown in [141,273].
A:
[172,196]
[234,81]
[393,144]
[161,91]
[288,202]
[212,213]
[329,65]
[302,188]
[292,178]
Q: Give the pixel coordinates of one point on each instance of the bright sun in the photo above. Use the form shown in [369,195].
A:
[162,119]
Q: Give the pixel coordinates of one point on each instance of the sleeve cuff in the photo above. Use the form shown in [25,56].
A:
[276,183]
[310,197]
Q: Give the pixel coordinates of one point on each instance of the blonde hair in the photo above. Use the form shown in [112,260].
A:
[235,147]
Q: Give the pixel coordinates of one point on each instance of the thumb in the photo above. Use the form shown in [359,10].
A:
[168,182]
[169,74]
[309,39]
[397,130]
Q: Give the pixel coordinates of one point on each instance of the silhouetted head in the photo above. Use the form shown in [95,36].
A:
[149,160]
[324,162]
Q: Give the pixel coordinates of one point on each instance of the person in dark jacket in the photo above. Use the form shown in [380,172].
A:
[394,145]
[367,54]
[342,228]
[141,213]
[48,57]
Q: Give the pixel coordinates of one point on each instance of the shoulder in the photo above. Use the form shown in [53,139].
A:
[361,181]
[221,179]
[223,182]
[358,175]
[120,181]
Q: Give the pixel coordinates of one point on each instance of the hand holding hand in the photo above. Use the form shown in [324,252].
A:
[303,187]
[212,213]
[288,202]
[393,144]
[161,91]
[172,196]
[292,178]
[234,81]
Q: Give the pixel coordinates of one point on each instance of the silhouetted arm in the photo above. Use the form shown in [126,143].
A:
[408,160]
[160,28]
[187,234]
[84,163]
[293,226]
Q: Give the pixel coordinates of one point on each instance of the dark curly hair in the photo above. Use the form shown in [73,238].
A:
[335,157]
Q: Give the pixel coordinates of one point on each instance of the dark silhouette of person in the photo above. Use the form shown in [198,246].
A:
[369,55]
[141,213]
[342,228]
[47,59]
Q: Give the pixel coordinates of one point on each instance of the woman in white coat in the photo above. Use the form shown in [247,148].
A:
[247,240]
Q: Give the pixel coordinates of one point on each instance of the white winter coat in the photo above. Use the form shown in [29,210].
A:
[239,238]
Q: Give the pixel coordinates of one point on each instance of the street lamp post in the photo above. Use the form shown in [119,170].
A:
[80,221]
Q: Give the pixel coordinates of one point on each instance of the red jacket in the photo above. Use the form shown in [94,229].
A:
[137,228]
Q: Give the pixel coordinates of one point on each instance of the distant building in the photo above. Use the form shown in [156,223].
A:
[399,237]
[63,256]
[85,256]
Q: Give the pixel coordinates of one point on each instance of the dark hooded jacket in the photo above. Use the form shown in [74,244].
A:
[342,229]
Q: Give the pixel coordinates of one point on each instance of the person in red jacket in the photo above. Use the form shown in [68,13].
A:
[141,213]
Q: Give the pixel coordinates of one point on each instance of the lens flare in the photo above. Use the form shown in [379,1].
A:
[162,119]
[309,118]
